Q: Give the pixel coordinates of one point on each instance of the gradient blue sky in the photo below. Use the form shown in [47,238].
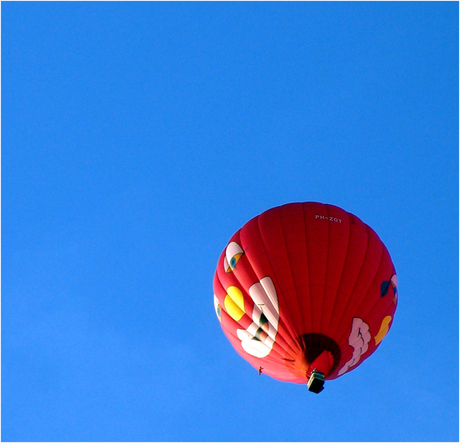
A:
[138,137]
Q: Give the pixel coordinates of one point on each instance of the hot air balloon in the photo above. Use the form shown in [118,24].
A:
[305,292]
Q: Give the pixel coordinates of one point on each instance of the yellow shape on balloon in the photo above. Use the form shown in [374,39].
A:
[384,327]
[234,303]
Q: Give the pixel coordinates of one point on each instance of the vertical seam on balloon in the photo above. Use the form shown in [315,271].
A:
[225,289]
[286,323]
[237,240]
[341,274]
[366,354]
[286,349]
[368,313]
[350,297]
[325,275]
[308,267]
[290,269]
[378,323]
[268,357]
[379,298]
[367,292]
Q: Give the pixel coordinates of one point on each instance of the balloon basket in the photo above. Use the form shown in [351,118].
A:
[316,382]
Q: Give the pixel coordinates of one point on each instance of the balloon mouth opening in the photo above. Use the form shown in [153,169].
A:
[316,352]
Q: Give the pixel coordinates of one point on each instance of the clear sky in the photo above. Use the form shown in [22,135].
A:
[138,137]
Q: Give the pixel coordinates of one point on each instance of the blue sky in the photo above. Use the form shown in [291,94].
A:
[138,137]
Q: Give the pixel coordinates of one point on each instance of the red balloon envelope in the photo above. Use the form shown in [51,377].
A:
[305,292]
